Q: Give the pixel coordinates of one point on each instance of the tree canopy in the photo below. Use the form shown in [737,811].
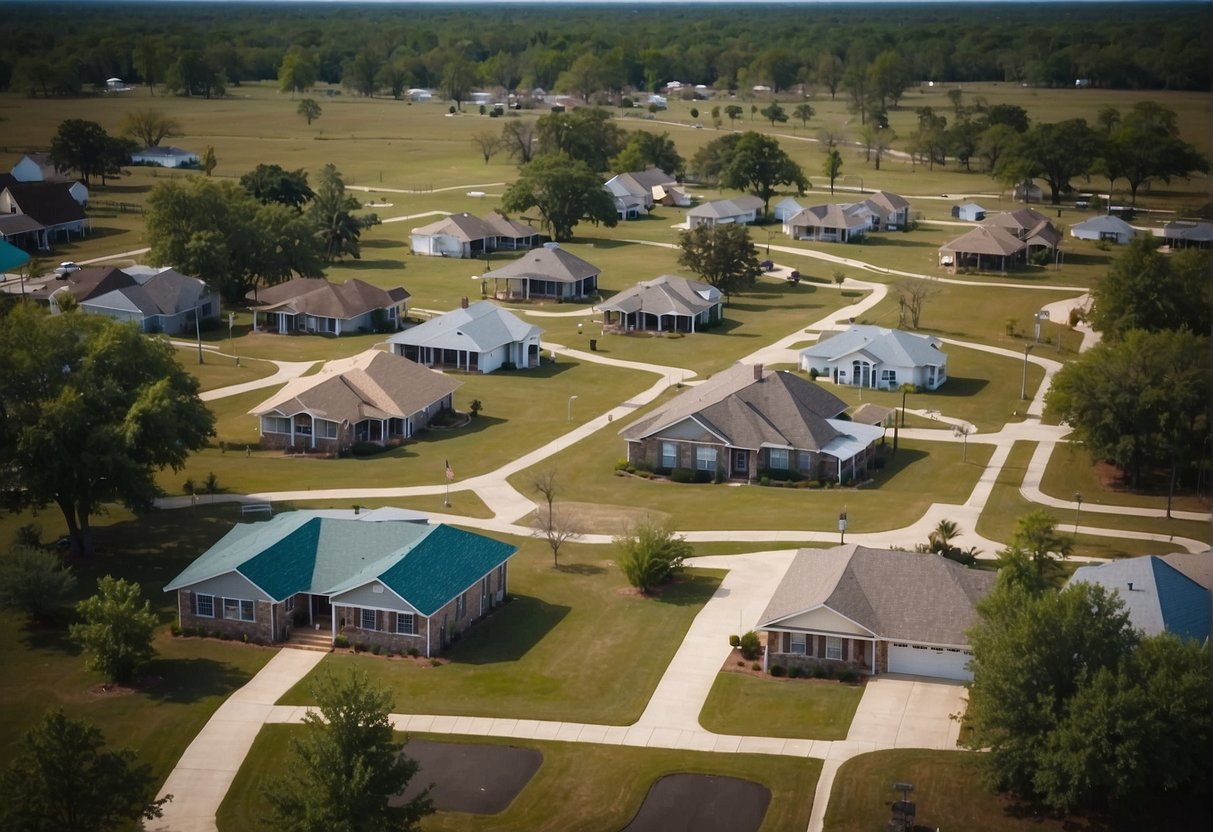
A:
[150,126]
[1056,153]
[759,165]
[61,779]
[85,147]
[347,765]
[1147,289]
[115,631]
[565,192]
[271,183]
[587,135]
[723,255]
[92,410]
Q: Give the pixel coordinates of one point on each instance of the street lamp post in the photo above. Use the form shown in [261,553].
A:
[571,400]
[1077,509]
[899,423]
[1023,387]
[963,432]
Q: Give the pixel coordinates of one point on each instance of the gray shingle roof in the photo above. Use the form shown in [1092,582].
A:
[319,297]
[986,240]
[725,208]
[888,346]
[901,596]
[548,263]
[665,295]
[1104,223]
[1158,596]
[479,328]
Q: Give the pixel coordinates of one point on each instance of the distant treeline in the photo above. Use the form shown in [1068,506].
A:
[52,48]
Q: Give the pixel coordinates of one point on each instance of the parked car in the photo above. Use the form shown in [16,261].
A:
[66,268]
[767,265]
[793,276]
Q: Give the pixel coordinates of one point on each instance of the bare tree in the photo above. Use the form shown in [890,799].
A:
[912,296]
[831,136]
[518,139]
[555,526]
[488,142]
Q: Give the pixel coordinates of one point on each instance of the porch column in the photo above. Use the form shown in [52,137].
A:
[313,442]
[693,317]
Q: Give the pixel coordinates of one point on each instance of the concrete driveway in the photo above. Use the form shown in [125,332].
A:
[909,712]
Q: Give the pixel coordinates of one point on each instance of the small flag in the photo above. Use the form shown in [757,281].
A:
[450,474]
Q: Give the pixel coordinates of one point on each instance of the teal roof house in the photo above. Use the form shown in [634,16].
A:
[1160,595]
[307,577]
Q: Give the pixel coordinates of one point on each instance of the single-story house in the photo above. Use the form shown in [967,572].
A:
[878,358]
[165,157]
[547,272]
[1027,191]
[830,223]
[476,338]
[1157,596]
[890,211]
[418,94]
[985,248]
[51,204]
[395,583]
[786,208]
[1029,225]
[309,304]
[874,611]
[1183,234]
[1105,228]
[374,397]
[465,236]
[969,212]
[665,304]
[636,192]
[38,167]
[746,422]
[163,301]
[741,209]
[23,231]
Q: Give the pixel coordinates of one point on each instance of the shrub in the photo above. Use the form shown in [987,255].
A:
[734,640]
[435,662]
[794,672]
[342,642]
[814,374]
[756,666]
[33,581]
[175,629]
[414,652]
[778,670]
[643,467]
[116,630]
[819,672]
[376,649]
[359,647]
[622,465]
[365,449]
[225,636]
[29,535]
[750,646]
[682,475]
[650,554]
[848,676]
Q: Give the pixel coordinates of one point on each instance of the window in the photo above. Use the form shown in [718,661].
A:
[800,644]
[833,648]
[326,429]
[405,624]
[206,605]
[705,459]
[461,605]
[206,309]
[777,458]
[368,620]
[275,424]
[238,609]
[303,424]
[804,461]
[290,604]
[888,378]
[669,455]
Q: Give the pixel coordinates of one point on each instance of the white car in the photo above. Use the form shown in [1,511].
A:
[66,268]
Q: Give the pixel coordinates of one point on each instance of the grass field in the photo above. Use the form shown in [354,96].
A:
[807,709]
[546,654]
[578,788]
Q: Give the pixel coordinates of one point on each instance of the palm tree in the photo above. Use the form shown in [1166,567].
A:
[941,538]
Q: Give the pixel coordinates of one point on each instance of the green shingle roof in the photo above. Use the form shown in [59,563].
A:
[302,552]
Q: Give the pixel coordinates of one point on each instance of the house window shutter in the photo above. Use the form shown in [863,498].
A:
[193,603]
[787,643]
[821,645]
[846,643]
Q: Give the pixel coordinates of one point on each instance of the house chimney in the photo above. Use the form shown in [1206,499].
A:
[757,372]
[463,302]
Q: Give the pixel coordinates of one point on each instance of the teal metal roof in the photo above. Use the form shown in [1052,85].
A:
[302,551]
[11,257]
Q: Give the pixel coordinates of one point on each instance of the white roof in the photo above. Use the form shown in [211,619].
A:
[888,346]
[1104,224]
[479,328]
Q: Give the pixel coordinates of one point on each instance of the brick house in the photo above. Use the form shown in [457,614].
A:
[746,422]
[874,611]
[371,577]
[374,397]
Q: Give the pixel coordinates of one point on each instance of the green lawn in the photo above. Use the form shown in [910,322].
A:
[181,688]
[1071,470]
[947,790]
[806,709]
[217,371]
[579,787]
[549,654]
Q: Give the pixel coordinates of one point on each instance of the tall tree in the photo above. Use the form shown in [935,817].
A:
[584,77]
[93,410]
[150,60]
[829,72]
[85,147]
[309,109]
[774,113]
[1055,152]
[1036,536]
[565,191]
[554,524]
[587,135]
[1141,403]
[759,165]
[458,79]
[832,166]
[297,72]
[394,76]
[1147,289]
[733,111]
[889,76]
[271,183]
[361,73]
[347,766]
[61,779]
[195,73]
[804,112]
[645,150]
[488,143]
[115,631]
[1147,147]
[723,255]
[332,213]
[519,137]
[150,126]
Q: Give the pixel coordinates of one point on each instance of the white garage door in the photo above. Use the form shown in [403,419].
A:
[929,661]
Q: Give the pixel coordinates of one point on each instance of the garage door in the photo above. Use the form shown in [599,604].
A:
[915,660]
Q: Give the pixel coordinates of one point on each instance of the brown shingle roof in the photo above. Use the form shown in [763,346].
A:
[907,596]
[991,240]
[313,296]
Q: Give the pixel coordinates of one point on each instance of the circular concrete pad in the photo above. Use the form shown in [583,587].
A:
[481,779]
[701,803]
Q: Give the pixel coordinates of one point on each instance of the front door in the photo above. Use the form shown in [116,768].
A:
[741,462]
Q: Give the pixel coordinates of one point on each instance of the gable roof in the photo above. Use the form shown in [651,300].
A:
[665,295]
[87,283]
[725,208]
[551,262]
[50,203]
[464,227]
[1157,596]
[319,297]
[870,413]
[889,201]
[896,595]
[1018,221]
[986,240]
[778,409]
[887,346]
[370,385]
[1191,231]
[479,328]
[302,551]
[18,224]
[503,226]
[1104,224]
[832,215]
[11,257]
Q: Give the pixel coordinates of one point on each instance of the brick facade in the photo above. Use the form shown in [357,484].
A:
[258,630]
[856,653]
